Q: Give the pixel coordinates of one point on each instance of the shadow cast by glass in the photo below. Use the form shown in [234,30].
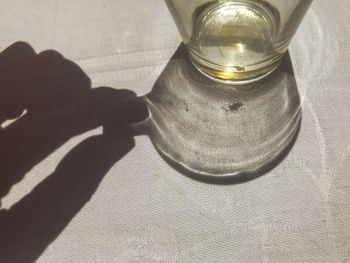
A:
[218,133]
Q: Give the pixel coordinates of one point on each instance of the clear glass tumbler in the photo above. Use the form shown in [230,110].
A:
[237,41]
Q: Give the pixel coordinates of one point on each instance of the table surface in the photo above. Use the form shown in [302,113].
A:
[141,209]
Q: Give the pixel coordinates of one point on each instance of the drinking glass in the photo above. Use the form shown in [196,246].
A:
[237,41]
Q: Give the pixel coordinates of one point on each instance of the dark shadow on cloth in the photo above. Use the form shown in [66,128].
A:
[48,100]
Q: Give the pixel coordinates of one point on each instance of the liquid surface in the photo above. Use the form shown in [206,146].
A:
[232,38]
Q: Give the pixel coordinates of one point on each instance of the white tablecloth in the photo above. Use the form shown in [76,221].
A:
[145,211]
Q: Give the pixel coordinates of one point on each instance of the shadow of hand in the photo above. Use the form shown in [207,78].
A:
[57,102]
[34,222]
[50,100]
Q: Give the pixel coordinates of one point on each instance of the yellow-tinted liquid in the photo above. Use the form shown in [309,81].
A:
[233,39]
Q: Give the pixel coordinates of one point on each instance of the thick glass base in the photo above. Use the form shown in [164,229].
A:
[231,75]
